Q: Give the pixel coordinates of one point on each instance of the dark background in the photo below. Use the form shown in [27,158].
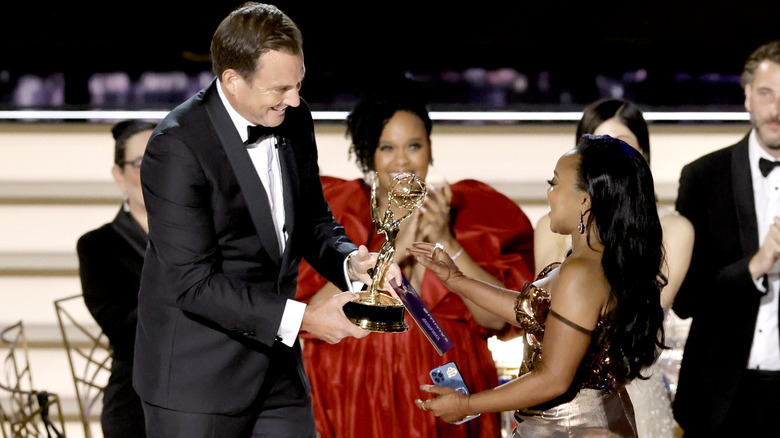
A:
[661,54]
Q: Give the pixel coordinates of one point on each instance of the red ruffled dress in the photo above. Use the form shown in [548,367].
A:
[366,387]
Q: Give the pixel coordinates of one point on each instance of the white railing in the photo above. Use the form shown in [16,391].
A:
[449,116]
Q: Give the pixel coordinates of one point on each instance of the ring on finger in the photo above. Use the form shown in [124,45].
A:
[435,247]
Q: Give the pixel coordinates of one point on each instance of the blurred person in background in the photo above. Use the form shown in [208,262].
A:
[730,375]
[110,262]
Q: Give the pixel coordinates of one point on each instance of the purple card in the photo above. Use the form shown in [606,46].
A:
[422,316]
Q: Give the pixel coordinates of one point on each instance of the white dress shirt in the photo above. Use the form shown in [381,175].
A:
[765,351]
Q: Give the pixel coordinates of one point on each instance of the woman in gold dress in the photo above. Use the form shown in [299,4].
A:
[652,397]
[591,323]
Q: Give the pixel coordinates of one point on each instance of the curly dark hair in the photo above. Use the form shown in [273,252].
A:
[623,208]
[375,107]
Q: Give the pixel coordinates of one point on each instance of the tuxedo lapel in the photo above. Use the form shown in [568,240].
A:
[742,190]
[290,185]
[246,174]
[289,181]
[127,227]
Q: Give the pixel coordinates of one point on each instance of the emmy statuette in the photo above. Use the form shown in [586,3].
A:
[374,310]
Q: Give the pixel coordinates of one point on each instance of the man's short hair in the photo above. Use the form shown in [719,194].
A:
[250,31]
[769,51]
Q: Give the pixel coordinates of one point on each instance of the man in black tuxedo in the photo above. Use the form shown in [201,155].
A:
[232,209]
[730,377]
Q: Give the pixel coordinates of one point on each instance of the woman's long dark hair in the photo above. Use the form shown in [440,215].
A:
[623,208]
[628,113]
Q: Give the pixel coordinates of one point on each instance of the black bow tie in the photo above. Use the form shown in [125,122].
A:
[766,166]
[258,132]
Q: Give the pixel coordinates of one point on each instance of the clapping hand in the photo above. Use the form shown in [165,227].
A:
[769,252]
[434,224]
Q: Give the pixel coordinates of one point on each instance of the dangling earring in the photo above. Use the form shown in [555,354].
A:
[126,205]
[369,177]
[581,226]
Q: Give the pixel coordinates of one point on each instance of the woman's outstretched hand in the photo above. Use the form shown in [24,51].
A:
[450,405]
[434,257]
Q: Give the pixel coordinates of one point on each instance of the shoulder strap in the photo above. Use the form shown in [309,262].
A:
[571,324]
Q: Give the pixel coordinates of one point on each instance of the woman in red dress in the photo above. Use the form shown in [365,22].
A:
[362,388]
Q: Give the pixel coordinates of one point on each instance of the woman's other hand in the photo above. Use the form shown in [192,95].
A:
[450,405]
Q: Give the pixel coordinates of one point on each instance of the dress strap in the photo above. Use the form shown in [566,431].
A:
[571,324]
[547,269]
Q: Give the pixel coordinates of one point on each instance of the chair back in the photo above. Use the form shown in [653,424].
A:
[89,356]
[24,411]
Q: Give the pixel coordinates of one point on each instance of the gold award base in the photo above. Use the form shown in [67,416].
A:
[377,313]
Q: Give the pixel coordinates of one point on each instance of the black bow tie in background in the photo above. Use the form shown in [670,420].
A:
[766,166]
[258,132]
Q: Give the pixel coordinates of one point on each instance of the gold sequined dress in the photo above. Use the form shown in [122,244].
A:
[596,404]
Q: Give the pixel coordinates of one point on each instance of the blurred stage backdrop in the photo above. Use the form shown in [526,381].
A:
[487,55]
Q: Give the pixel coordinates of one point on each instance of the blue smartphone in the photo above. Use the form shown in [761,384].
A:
[449,375]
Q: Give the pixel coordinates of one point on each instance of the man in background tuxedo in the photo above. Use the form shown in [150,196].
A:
[730,377]
[232,208]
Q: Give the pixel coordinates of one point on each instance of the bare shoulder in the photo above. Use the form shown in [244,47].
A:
[675,225]
[549,247]
[547,239]
[544,222]
[542,228]
[585,271]
[581,291]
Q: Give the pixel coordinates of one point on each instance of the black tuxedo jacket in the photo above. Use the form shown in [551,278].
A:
[716,194]
[214,284]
